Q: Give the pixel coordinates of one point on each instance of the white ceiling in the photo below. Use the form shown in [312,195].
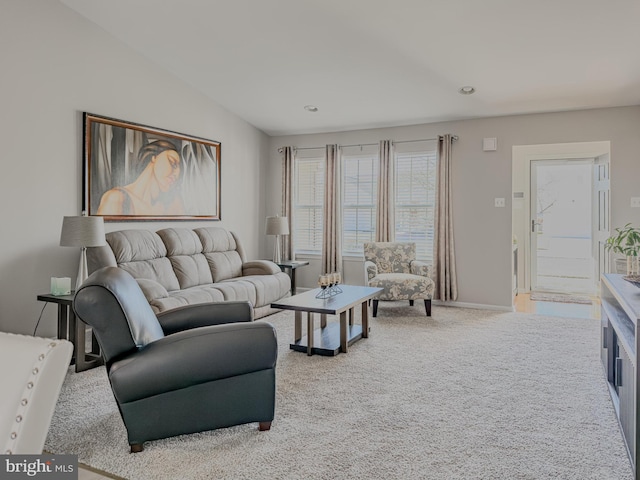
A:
[380,63]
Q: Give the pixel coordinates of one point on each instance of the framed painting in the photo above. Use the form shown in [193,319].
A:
[136,172]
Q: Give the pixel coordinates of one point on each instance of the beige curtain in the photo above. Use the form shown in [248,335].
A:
[444,258]
[385,219]
[332,232]
[287,243]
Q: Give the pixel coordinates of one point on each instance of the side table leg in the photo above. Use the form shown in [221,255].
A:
[293,281]
[82,363]
[63,332]
[309,333]
[79,344]
[67,329]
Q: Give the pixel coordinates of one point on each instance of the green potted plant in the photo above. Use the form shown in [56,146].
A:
[625,241]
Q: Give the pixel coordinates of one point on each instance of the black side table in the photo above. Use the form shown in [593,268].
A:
[290,266]
[74,330]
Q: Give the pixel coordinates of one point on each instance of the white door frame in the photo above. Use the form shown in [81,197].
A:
[522,156]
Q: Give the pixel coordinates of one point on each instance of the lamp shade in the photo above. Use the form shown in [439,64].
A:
[277,226]
[82,232]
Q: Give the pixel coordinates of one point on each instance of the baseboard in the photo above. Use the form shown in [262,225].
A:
[479,306]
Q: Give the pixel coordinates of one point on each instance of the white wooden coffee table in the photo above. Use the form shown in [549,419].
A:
[333,337]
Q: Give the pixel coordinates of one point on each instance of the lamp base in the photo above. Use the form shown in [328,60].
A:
[83,271]
[277,251]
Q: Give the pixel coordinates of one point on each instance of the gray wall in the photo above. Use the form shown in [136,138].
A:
[483,232]
[55,65]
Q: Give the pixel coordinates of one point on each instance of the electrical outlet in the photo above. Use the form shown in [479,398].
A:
[635,202]
[499,202]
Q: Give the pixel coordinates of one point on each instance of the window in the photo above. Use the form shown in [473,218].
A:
[415,198]
[359,192]
[415,192]
[308,204]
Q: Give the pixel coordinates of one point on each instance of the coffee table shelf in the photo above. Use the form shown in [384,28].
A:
[326,340]
[335,337]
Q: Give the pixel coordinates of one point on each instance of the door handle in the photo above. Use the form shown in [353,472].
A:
[534,224]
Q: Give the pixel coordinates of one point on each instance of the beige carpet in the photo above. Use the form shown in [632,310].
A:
[465,394]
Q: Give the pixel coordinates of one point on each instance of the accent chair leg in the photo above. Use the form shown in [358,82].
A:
[375,307]
[411,303]
[427,307]
[137,447]
[264,426]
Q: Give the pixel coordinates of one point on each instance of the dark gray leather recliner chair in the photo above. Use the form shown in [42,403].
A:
[187,370]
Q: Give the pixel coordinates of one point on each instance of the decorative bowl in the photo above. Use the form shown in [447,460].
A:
[634,279]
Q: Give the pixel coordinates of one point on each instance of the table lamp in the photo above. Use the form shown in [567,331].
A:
[277,226]
[82,232]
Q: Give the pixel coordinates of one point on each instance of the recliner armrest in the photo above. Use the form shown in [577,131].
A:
[194,357]
[260,267]
[204,315]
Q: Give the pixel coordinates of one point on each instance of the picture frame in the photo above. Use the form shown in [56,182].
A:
[134,172]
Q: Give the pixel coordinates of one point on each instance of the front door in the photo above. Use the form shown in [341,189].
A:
[563,250]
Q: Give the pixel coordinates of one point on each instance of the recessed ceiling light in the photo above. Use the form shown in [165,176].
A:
[311,108]
[466,90]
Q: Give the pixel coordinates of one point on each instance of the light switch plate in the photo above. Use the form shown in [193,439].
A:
[499,202]
[635,202]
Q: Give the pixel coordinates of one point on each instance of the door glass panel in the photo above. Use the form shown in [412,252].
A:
[562,235]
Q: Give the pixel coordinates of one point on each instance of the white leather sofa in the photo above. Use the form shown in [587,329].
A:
[32,370]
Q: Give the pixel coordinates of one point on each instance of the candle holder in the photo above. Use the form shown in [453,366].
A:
[328,283]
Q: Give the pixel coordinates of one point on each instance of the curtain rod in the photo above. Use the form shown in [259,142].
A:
[453,137]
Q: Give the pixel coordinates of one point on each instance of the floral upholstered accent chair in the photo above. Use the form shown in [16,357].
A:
[393,267]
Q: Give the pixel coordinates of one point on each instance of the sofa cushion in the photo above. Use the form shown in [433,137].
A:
[184,250]
[237,289]
[220,250]
[189,296]
[403,286]
[142,254]
[268,288]
[152,289]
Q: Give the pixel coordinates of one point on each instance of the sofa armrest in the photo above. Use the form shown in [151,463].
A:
[204,315]
[371,269]
[423,269]
[194,357]
[260,267]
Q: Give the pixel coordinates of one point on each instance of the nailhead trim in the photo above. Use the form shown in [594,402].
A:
[22,408]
